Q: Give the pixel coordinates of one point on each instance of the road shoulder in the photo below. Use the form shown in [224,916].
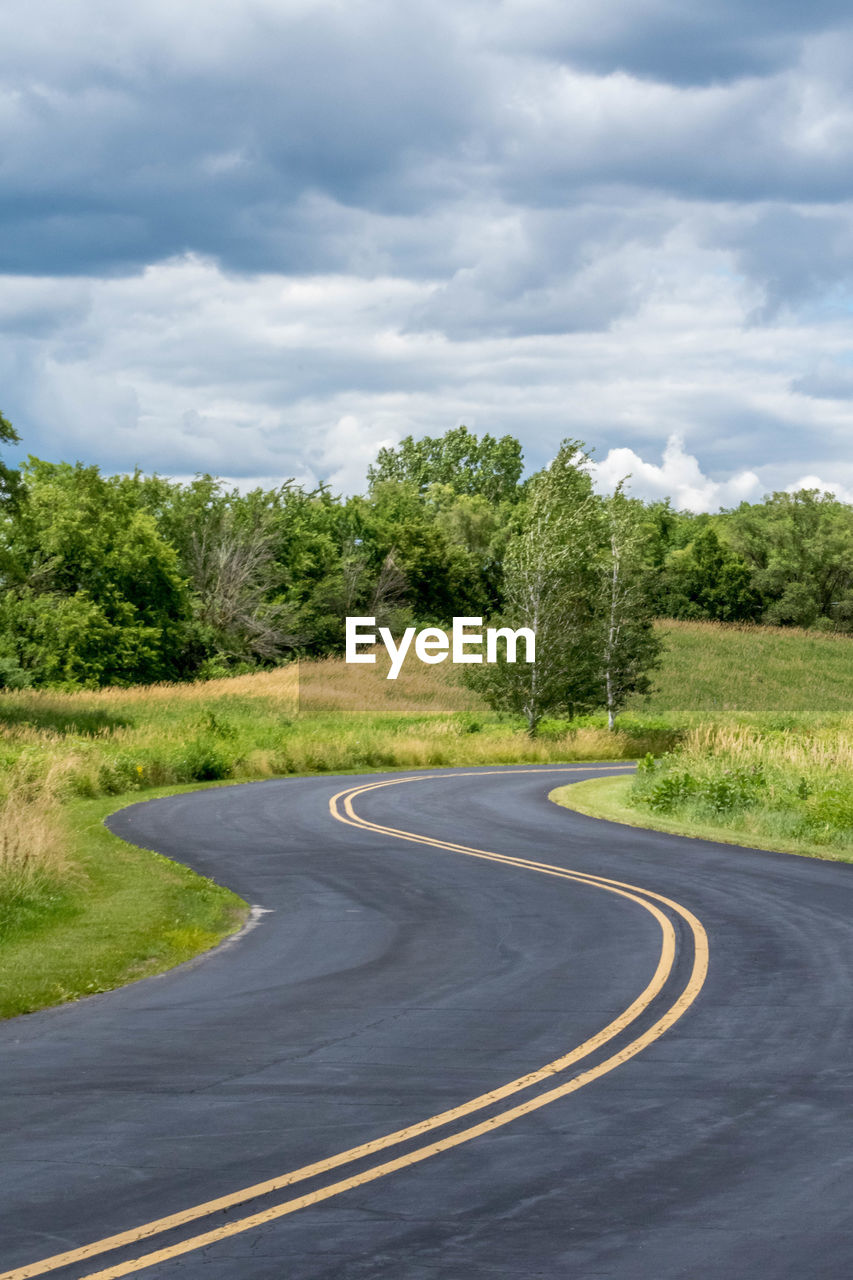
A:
[126,914]
[607,798]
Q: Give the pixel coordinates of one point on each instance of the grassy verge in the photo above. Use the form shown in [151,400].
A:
[117,915]
[612,799]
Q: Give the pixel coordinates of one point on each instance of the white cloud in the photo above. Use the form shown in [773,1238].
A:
[186,367]
[348,448]
[679,477]
[814,482]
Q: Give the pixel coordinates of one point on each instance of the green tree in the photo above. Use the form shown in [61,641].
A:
[9,479]
[708,579]
[468,464]
[550,588]
[627,645]
[93,593]
[443,575]
[799,547]
[259,563]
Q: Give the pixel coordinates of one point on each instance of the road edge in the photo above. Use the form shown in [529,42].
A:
[604,798]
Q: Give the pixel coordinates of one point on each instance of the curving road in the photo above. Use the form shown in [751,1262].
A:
[475,1036]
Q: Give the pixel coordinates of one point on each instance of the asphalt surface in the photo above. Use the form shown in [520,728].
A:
[391,981]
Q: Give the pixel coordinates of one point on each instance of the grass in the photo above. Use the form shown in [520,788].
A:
[716,669]
[791,786]
[124,914]
[319,717]
[788,788]
[610,798]
[778,698]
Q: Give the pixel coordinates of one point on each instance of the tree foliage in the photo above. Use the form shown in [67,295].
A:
[9,479]
[799,548]
[93,592]
[627,648]
[134,578]
[548,589]
[468,464]
[708,579]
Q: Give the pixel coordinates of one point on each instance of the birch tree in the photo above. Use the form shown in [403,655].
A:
[628,647]
[549,586]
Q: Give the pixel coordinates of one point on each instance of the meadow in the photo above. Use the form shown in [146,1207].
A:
[749,730]
[765,756]
[716,670]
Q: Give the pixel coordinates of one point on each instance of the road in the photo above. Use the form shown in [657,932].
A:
[474,1035]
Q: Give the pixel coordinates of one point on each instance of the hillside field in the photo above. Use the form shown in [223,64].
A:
[714,668]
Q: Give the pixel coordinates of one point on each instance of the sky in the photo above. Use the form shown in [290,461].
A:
[263,238]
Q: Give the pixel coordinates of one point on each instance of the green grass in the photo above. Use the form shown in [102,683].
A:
[713,669]
[125,914]
[791,786]
[780,814]
[81,912]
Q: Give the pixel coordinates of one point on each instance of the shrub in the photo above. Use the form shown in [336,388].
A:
[203,760]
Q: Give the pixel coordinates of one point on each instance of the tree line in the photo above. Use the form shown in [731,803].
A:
[137,578]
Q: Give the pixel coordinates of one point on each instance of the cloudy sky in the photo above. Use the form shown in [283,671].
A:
[263,237]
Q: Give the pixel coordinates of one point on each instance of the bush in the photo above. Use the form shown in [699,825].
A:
[203,760]
[781,780]
[670,791]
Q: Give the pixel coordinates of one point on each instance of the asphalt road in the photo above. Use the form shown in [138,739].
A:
[703,1129]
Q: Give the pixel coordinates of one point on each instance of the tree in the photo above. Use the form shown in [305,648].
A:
[9,479]
[254,562]
[628,646]
[443,576]
[233,576]
[799,547]
[468,464]
[707,579]
[93,592]
[549,586]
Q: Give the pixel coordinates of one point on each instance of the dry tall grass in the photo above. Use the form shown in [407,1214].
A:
[819,749]
[332,685]
[307,687]
[32,836]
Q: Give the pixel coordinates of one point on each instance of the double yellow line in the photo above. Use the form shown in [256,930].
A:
[341,808]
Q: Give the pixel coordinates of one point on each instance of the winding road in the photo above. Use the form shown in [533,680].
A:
[469,1034]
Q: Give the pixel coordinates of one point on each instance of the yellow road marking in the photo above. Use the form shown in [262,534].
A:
[664,968]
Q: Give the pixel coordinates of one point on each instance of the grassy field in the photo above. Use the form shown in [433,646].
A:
[751,727]
[712,669]
[766,757]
